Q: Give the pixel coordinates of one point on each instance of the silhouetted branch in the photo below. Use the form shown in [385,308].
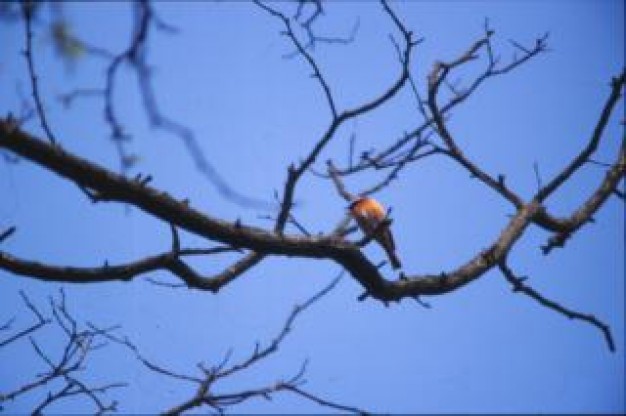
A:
[113,187]
[584,214]
[438,75]
[295,173]
[302,51]
[617,85]
[519,286]
[27,8]
[307,24]
[170,261]
[322,402]
[100,184]
[7,233]
[206,393]
[41,322]
[341,189]
[65,369]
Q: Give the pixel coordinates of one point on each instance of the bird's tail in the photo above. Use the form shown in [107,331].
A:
[393,259]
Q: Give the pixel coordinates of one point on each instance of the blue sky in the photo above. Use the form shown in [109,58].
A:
[479,349]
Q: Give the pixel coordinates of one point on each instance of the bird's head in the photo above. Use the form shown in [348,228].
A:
[355,201]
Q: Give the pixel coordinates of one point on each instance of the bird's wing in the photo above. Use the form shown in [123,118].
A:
[388,238]
[366,224]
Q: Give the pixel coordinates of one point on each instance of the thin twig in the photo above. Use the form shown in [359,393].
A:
[27,9]
[519,286]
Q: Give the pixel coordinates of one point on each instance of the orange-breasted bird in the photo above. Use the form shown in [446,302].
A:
[370,214]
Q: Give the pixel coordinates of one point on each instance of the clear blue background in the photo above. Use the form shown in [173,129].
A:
[479,349]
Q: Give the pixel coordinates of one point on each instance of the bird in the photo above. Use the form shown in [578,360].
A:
[372,219]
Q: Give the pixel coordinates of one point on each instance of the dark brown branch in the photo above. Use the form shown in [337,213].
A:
[584,214]
[563,227]
[216,282]
[476,267]
[105,273]
[492,70]
[166,261]
[519,286]
[436,77]
[616,88]
[114,187]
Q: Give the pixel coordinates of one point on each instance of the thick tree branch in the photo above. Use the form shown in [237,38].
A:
[563,227]
[170,261]
[476,267]
[110,186]
[584,214]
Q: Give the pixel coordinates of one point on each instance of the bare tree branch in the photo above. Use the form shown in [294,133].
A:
[170,261]
[441,70]
[519,286]
[72,361]
[27,8]
[584,214]
[616,87]
[302,51]
[444,88]
[100,184]
[313,39]
[323,402]
[206,393]
[436,77]
[113,187]
[7,233]
[338,119]
[41,322]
